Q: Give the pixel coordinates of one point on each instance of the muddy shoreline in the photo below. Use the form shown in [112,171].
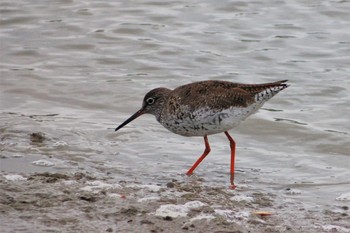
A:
[80,202]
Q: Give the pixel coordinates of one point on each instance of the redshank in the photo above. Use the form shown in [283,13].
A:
[205,108]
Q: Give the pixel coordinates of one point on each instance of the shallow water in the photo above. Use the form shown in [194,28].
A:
[74,70]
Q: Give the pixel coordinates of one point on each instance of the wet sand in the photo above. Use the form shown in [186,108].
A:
[80,202]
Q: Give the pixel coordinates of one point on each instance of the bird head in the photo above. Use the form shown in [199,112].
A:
[153,103]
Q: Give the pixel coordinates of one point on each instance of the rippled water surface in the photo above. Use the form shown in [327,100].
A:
[74,70]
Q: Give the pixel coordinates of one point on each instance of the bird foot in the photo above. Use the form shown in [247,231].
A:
[189,173]
[232,187]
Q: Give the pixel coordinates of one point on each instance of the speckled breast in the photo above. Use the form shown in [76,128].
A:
[205,121]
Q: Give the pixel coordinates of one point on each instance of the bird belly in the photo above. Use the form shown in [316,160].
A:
[207,121]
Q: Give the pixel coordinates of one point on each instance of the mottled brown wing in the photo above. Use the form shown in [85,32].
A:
[213,94]
[257,88]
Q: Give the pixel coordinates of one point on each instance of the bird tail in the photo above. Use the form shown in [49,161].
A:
[269,90]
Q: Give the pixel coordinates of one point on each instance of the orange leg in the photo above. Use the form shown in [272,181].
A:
[233,155]
[205,153]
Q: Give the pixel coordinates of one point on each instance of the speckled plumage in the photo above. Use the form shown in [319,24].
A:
[206,107]
[209,107]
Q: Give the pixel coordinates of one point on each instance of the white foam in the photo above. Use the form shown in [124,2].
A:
[172,210]
[173,194]
[115,195]
[202,216]
[60,144]
[43,163]
[334,228]
[194,204]
[240,198]
[145,199]
[224,213]
[151,187]
[97,185]
[242,215]
[69,182]
[293,191]
[232,216]
[343,197]
[14,177]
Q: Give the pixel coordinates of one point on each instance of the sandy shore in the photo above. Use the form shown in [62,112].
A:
[54,202]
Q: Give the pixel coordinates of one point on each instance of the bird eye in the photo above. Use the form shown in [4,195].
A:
[150,101]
